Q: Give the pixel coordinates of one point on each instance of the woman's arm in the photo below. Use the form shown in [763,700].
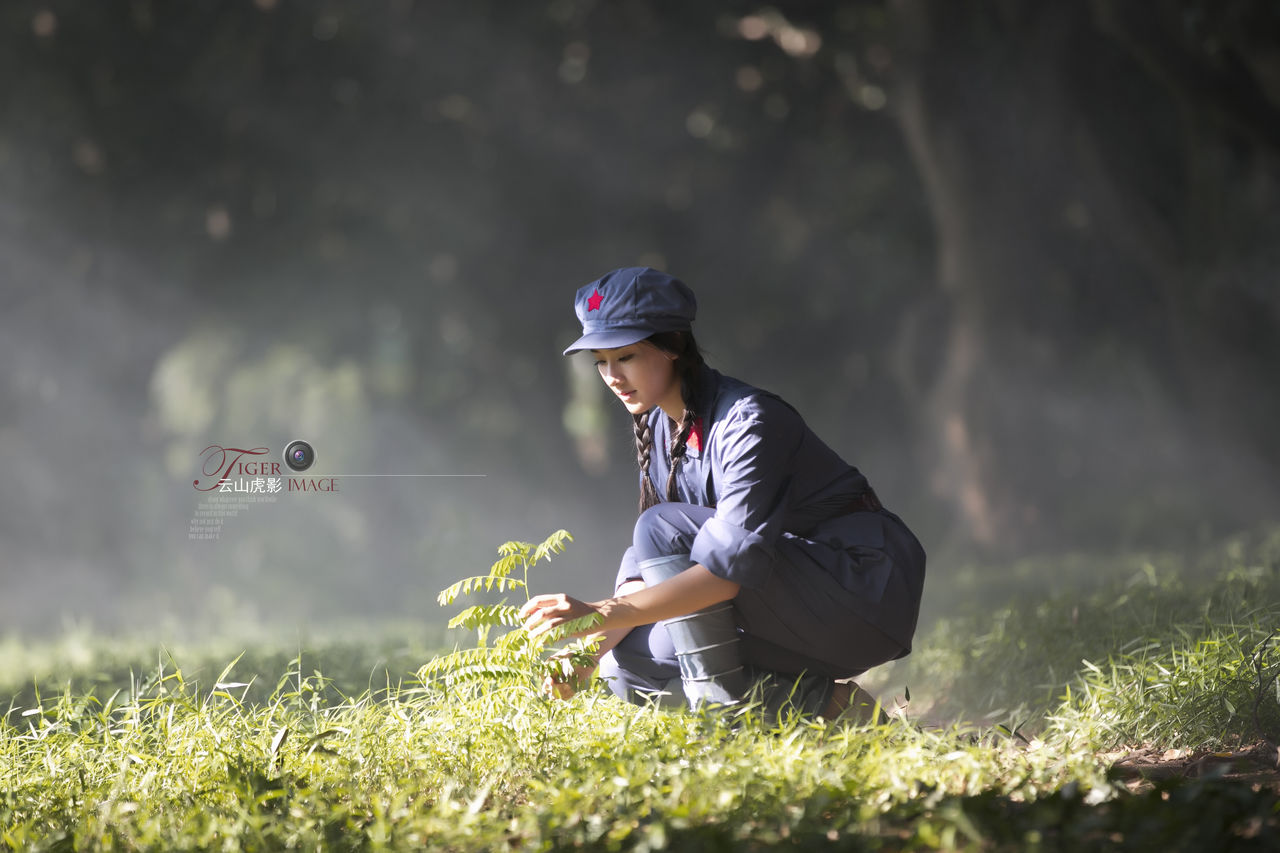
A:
[613,636]
[693,589]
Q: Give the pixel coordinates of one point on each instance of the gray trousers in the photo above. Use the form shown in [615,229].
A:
[795,635]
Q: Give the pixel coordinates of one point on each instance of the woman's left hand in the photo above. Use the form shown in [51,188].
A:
[542,613]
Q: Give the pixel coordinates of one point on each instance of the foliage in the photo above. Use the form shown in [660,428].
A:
[514,660]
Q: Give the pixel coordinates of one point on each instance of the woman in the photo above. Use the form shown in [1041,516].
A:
[760,558]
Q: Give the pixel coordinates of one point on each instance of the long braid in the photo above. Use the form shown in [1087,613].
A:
[688,360]
[687,419]
[644,447]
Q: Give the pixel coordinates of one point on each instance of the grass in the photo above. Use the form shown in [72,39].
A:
[1206,618]
[111,745]
[172,765]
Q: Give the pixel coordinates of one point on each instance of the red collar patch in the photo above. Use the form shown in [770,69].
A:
[593,302]
[694,440]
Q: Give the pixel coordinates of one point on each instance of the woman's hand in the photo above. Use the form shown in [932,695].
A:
[542,613]
[693,589]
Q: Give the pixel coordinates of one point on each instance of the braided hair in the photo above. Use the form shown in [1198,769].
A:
[688,359]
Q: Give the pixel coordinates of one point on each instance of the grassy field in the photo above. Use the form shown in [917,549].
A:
[1018,716]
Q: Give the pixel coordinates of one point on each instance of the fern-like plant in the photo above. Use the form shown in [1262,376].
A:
[513,659]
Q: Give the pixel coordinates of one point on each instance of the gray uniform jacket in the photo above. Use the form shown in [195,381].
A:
[780,495]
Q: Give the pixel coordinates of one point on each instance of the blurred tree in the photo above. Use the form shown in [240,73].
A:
[1102,181]
[1041,238]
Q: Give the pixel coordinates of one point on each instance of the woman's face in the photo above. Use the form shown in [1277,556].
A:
[642,376]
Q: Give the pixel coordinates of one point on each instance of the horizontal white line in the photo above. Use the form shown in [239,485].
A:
[323,475]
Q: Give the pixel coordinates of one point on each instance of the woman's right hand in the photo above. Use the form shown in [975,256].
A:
[543,613]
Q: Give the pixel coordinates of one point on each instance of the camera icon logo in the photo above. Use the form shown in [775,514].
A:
[299,455]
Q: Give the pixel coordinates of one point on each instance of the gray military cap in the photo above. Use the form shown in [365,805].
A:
[630,304]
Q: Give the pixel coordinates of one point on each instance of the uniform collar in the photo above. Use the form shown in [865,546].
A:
[708,385]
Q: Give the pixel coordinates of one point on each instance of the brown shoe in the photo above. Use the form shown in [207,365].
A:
[851,704]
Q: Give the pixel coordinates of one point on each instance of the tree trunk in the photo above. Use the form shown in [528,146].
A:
[1099,192]
[980,116]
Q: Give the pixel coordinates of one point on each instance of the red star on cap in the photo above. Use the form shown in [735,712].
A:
[593,303]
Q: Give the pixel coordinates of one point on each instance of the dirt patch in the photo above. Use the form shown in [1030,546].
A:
[1138,767]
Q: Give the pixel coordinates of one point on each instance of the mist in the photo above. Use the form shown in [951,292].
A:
[243,224]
